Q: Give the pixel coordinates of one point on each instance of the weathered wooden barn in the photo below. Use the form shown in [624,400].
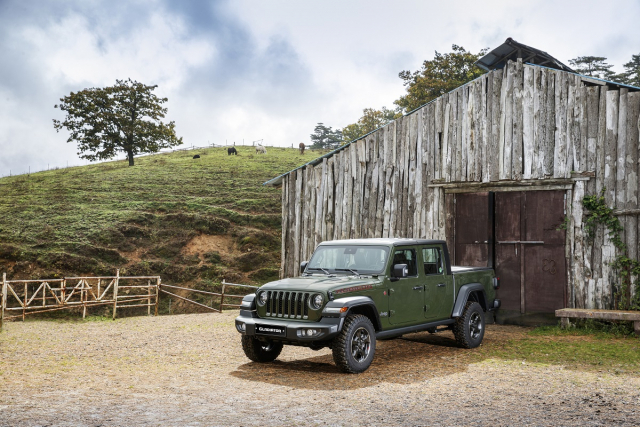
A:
[499,168]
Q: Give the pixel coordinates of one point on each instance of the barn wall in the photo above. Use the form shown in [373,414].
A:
[517,127]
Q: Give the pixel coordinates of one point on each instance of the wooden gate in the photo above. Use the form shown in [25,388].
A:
[519,233]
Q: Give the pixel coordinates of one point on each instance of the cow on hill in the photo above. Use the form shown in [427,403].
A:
[301,146]
[260,149]
[231,150]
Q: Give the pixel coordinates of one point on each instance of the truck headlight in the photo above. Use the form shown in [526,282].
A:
[262,298]
[316,301]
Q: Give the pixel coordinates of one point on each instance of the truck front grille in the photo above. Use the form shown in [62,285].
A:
[292,305]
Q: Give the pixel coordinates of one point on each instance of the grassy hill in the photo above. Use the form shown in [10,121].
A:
[192,221]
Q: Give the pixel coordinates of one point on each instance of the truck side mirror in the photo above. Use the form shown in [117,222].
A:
[303,266]
[400,271]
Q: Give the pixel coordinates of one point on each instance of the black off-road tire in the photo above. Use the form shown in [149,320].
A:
[469,328]
[354,348]
[261,351]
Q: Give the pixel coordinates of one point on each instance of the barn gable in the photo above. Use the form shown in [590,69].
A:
[508,156]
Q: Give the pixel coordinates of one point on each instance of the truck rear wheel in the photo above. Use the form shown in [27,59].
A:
[261,351]
[354,348]
[469,328]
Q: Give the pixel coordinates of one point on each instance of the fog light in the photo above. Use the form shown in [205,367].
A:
[310,332]
[242,327]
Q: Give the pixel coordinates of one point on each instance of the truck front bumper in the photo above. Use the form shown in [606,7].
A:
[289,330]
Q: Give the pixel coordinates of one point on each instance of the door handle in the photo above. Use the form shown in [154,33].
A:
[417,288]
[441,285]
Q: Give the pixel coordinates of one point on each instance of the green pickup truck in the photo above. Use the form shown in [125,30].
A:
[353,292]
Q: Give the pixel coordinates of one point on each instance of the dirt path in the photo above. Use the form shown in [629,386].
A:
[190,370]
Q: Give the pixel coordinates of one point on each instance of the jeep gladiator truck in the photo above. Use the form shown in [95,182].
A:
[352,292]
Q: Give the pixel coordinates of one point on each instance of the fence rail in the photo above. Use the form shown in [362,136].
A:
[20,298]
[222,294]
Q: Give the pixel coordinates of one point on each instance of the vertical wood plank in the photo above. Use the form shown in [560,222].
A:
[285,223]
[446,141]
[338,171]
[465,112]
[560,152]
[329,218]
[516,140]
[528,151]
[551,122]
[496,125]
[484,116]
[389,151]
[592,135]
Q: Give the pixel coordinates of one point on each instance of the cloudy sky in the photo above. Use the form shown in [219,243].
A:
[261,69]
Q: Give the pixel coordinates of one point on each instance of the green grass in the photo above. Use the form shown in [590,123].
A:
[577,348]
[91,219]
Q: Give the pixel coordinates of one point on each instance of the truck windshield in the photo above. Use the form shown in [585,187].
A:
[360,259]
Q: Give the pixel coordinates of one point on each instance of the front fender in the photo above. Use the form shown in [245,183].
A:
[342,307]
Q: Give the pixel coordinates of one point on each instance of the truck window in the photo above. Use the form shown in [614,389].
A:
[432,261]
[406,256]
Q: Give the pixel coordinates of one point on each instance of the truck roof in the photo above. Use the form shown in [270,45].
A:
[382,242]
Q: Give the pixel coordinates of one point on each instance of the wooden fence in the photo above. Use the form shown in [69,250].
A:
[20,298]
[222,294]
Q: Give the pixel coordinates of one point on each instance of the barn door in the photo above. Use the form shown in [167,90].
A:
[530,244]
[473,229]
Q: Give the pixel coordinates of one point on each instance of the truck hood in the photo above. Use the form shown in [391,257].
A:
[320,283]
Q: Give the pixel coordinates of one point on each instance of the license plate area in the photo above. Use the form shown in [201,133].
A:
[276,331]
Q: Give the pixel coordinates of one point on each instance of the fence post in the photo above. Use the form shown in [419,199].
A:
[222,296]
[24,303]
[3,301]
[83,298]
[115,293]
[148,297]
[157,293]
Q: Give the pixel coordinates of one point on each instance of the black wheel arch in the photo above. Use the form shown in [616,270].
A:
[355,305]
[470,292]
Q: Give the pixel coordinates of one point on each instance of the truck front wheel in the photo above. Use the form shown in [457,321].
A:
[261,351]
[469,328]
[354,348]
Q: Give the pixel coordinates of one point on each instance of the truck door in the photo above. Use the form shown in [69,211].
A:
[406,295]
[438,296]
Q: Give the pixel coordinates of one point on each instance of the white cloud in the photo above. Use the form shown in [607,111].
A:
[257,69]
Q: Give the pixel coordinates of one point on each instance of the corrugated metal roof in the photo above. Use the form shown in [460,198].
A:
[512,50]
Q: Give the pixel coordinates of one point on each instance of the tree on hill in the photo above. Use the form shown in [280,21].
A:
[442,74]
[323,137]
[125,118]
[371,120]
[594,66]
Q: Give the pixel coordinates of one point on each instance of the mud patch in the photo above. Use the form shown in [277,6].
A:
[204,243]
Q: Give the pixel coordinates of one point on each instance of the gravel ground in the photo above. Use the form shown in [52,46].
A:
[190,370]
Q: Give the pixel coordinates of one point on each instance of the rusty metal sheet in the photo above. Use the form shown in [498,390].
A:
[545,278]
[544,216]
[508,207]
[473,230]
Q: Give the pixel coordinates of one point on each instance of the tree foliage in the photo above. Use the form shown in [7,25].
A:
[594,66]
[442,74]
[323,137]
[126,117]
[371,120]
[631,74]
